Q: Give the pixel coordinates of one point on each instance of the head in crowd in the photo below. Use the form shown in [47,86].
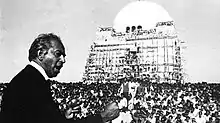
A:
[48,51]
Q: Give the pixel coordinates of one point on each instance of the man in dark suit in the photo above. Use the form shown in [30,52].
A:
[28,98]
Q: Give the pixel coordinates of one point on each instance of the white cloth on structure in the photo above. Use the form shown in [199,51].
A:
[123,116]
[123,103]
[126,117]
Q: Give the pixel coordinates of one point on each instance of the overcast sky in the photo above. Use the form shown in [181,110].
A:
[76,21]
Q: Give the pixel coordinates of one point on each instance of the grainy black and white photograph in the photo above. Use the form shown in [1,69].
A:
[109,61]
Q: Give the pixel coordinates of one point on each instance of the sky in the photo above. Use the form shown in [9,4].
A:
[76,22]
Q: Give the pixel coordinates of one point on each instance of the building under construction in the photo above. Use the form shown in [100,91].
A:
[135,52]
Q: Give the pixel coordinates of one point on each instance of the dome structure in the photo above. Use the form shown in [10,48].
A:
[140,13]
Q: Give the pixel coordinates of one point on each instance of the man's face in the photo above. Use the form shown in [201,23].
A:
[54,59]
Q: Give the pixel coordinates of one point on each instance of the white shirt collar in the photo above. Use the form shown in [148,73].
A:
[40,69]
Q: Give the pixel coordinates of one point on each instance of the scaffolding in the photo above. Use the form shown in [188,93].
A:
[154,53]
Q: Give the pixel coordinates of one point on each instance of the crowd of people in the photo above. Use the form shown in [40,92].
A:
[152,102]
[94,96]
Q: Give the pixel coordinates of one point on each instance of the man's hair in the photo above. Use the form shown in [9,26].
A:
[42,42]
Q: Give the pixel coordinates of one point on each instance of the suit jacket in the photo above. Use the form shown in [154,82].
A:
[28,99]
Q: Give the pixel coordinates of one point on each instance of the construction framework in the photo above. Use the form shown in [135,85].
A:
[154,54]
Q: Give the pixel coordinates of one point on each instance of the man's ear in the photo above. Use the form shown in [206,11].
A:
[41,54]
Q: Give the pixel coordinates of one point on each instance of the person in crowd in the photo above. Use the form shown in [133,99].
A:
[28,97]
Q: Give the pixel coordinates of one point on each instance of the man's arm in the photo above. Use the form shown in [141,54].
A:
[110,112]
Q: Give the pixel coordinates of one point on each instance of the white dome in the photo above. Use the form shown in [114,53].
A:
[143,13]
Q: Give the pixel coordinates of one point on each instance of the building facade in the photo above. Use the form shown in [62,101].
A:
[135,52]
